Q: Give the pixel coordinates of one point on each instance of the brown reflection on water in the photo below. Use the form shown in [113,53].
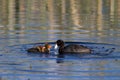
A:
[92,18]
[32,21]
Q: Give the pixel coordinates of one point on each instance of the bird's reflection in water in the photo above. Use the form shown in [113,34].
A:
[41,55]
[60,58]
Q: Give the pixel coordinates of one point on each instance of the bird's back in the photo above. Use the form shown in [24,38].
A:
[74,48]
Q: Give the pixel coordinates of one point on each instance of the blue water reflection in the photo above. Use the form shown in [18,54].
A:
[16,63]
[92,23]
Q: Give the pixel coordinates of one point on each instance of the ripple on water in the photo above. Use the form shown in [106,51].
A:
[103,63]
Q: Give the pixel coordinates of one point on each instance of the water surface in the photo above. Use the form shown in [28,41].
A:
[94,23]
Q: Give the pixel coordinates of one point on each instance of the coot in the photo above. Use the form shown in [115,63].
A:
[42,49]
[72,48]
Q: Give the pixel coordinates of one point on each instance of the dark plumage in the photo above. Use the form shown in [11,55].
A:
[72,48]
